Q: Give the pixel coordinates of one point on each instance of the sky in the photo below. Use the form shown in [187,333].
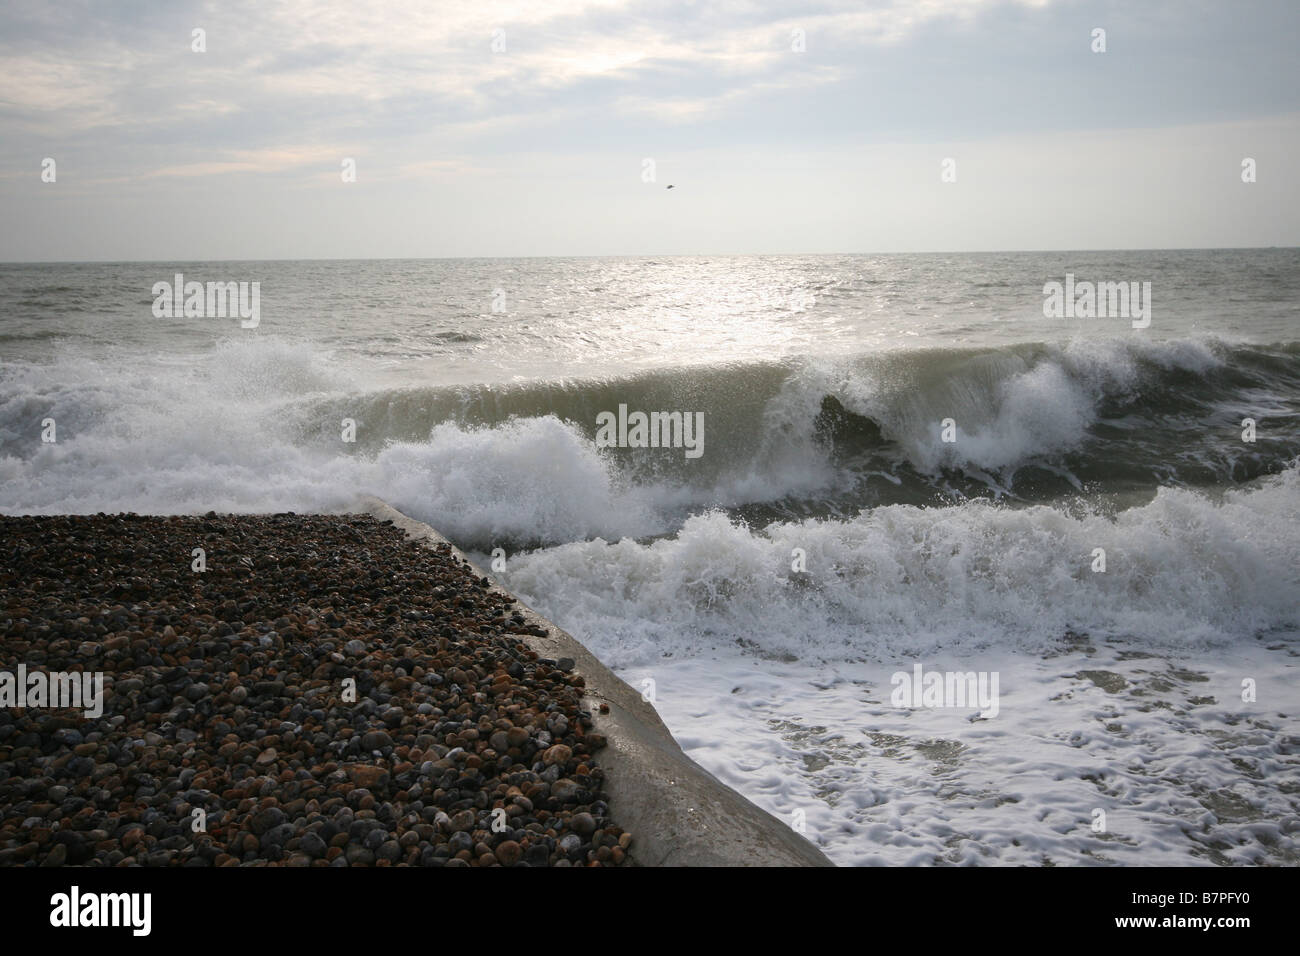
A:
[554,128]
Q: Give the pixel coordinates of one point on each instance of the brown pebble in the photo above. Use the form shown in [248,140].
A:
[558,754]
[509,852]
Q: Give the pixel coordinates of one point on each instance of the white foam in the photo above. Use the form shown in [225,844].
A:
[1183,771]
[1007,407]
[1183,571]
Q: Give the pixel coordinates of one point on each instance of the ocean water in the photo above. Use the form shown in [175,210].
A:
[826,538]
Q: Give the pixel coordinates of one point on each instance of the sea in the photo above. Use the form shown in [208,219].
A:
[968,559]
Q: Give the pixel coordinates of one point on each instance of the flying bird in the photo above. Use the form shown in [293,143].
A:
[668,187]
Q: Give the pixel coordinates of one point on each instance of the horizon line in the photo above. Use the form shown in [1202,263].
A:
[670,255]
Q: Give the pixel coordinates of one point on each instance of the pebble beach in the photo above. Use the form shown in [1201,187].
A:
[322,692]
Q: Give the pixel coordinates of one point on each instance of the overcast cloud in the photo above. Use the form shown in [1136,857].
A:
[538,148]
